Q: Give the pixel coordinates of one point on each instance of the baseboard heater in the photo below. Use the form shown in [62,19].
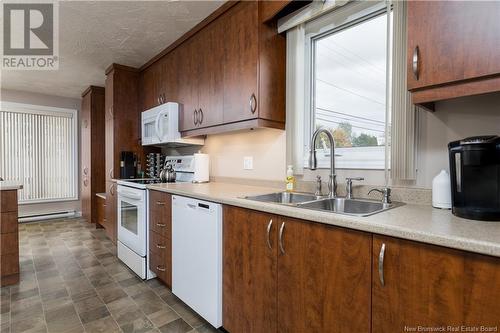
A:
[47,216]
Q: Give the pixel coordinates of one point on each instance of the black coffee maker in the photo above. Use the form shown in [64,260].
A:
[475,177]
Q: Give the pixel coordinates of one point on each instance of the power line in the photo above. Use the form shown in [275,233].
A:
[346,114]
[354,126]
[351,92]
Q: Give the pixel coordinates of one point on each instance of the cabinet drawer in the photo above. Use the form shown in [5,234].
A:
[9,243]
[8,201]
[8,222]
[159,244]
[158,265]
[160,210]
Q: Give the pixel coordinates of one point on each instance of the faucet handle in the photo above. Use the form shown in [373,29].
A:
[386,192]
[348,185]
[350,179]
[318,187]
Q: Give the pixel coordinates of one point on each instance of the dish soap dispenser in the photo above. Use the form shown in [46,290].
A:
[290,179]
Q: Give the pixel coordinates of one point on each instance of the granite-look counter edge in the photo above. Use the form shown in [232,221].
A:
[6,185]
[420,223]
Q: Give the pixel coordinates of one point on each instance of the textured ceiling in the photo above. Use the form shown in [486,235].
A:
[94,34]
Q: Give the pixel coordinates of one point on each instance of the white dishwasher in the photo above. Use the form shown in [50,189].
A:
[197,256]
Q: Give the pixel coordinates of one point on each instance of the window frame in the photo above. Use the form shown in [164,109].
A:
[348,15]
[52,111]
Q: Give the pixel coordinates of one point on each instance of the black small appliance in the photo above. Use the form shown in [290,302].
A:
[475,177]
[128,164]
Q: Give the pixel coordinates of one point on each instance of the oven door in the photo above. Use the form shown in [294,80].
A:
[132,219]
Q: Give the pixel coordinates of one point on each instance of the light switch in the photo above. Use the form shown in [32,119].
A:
[248,163]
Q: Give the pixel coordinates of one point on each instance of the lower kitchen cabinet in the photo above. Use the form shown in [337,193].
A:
[324,278]
[288,275]
[415,284]
[111,211]
[250,255]
[160,235]
[101,211]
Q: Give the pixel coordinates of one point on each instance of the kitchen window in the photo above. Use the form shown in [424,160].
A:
[38,147]
[348,88]
[345,80]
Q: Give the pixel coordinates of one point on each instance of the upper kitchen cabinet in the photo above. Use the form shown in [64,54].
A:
[123,117]
[92,150]
[228,74]
[453,49]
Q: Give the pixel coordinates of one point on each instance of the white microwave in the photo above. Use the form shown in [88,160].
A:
[160,126]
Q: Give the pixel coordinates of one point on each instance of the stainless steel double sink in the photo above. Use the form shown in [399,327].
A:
[356,207]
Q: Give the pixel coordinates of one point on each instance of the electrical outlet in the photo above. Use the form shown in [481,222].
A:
[248,163]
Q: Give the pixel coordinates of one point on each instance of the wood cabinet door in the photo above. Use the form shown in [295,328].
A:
[109,129]
[249,271]
[187,56]
[111,211]
[241,38]
[86,144]
[324,278]
[423,285]
[481,291]
[457,40]
[434,27]
[210,86]
[151,83]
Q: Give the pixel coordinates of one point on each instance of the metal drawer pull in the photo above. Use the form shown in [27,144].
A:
[161,246]
[268,234]
[282,228]
[253,103]
[162,225]
[414,64]
[161,269]
[381,264]
[160,203]
[195,117]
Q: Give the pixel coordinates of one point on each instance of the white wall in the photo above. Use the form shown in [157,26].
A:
[454,119]
[54,101]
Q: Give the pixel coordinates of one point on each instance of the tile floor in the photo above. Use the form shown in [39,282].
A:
[72,281]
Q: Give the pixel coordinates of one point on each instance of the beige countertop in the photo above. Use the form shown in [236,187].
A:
[10,185]
[413,222]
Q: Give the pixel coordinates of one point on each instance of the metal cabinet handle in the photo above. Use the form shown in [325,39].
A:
[85,123]
[269,234]
[112,189]
[282,228]
[111,173]
[200,114]
[161,225]
[160,203]
[414,63]
[85,170]
[195,117]
[158,100]
[253,103]
[110,111]
[161,269]
[161,246]
[381,264]
[85,182]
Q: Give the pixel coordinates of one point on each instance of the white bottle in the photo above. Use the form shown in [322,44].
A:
[441,190]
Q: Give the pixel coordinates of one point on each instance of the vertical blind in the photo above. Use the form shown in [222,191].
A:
[38,149]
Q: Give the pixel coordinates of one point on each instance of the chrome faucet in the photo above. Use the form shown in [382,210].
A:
[386,194]
[313,163]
